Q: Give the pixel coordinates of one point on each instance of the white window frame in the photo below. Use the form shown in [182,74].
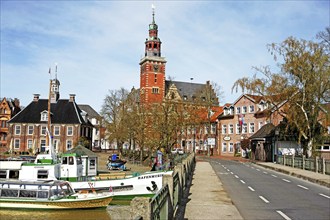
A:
[244,128]
[69,130]
[43,130]
[69,144]
[44,116]
[224,147]
[17,143]
[244,110]
[238,110]
[251,108]
[251,128]
[231,129]
[213,128]
[57,130]
[29,143]
[17,129]
[224,129]
[30,129]
[231,147]
[238,128]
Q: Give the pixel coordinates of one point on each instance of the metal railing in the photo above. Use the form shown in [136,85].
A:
[319,165]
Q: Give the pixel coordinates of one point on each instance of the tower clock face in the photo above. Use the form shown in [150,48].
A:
[156,68]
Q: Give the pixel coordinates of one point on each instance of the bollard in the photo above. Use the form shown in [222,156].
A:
[140,208]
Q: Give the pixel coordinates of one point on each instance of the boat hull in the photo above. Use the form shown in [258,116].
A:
[146,184]
[82,203]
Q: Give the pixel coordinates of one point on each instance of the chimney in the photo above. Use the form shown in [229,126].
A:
[72,97]
[36,97]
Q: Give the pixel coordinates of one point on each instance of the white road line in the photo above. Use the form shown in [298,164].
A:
[231,172]
[262,198]
[252,167]
[250,188]
[283,215]
[321,194]
[288,181]
[302,187]
[242,181]
[258,170]
[236,176]
[265,172]
[274,175]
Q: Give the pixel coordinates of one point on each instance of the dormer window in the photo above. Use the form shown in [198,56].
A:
[44,116]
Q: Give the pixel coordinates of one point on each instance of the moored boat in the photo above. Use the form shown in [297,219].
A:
[53,194]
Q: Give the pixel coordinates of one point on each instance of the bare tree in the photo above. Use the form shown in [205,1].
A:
[302,83]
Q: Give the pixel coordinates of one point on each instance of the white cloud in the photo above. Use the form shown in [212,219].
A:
[98,44]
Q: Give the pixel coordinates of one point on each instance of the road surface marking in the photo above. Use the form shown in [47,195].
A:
[321,194]
[252,167]
[283,215]
[274,175]
[250,188]
[265,200]
[236,176]
[288,181]
[265,172]
[242,181]
[302,187]
[258,170]
[231,172]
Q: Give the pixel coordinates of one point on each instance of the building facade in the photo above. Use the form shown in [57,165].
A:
[8,109]
[27,130]
[240,120]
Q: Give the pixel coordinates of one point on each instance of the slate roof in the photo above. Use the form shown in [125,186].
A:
[90,111]
[188,89]
[264,132]
[62,112]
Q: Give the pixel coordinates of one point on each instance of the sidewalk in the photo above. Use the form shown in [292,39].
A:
[311,176]
[207,198]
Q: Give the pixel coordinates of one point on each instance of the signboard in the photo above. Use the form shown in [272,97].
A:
[211,141]
[227,138]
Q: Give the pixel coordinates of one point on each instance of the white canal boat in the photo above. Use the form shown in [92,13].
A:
[52,195]
[70,167]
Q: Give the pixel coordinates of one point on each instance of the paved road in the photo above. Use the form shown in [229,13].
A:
[259,193]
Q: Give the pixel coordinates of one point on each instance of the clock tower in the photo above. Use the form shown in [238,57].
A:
[152,67]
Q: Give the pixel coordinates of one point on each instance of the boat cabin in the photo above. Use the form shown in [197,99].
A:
[47,190]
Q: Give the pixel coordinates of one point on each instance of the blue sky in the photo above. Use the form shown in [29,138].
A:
[97,45]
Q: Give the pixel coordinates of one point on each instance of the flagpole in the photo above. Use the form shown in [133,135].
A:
[48,119]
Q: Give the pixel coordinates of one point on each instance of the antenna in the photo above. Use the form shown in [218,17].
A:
[153,12]
[55,70]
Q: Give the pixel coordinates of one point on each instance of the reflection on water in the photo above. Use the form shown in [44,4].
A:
[82,214]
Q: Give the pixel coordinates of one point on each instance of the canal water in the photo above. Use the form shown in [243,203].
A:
[110,213]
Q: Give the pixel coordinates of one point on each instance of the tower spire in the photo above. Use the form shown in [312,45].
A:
[153,13]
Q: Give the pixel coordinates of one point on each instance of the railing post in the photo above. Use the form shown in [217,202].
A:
[303,162]
[140,207]
[323,165]
[316,164]
[293,160]
[179,169]
[284,159]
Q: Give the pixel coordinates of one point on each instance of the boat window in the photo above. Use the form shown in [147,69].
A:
[42,174]
[9,193]
[3,174]
[28,193]
[42,194]
[92,164]
[71,160]
[79,161]
[13,174]
[64,160]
